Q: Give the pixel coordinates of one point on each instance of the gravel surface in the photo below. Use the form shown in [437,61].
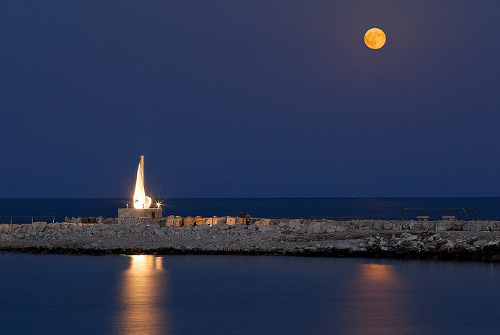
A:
[357,238]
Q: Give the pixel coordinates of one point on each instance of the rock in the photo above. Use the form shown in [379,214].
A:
[199,220]
[266,222]
[189,221]
[159,232]
[231,220]
[266,228]
[240,226]
[262,222]
[217,220]
[178,222]
[283,225]
[223,226]
[331,229]
[443,225]
[299,229]
[335,229]
[396,226]
[241,220]
[411,238]
[204,226]
[462,245]
[109,221]
[169,221]
[479,243]
[277,236]
[387,225]
[316,228]
[295,222]
[416,225]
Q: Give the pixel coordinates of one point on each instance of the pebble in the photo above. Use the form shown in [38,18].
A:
[294,237]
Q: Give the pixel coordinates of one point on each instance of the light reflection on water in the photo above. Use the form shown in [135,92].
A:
[378,303]
[143,294]
[45,294]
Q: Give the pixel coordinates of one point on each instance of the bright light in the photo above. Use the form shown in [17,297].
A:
[141,201]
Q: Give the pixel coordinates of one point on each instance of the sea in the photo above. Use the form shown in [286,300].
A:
[28,210]
[224,294]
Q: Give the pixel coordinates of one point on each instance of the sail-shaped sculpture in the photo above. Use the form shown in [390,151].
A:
[141,201]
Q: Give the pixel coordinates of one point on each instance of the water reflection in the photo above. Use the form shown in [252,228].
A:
[378,303]
[143,292]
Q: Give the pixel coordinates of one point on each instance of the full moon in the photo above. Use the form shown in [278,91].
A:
[375,38]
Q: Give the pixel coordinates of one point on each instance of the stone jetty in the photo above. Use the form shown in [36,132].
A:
[450,240]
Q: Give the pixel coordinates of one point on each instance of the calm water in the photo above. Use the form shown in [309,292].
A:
[380,208]
[59,294]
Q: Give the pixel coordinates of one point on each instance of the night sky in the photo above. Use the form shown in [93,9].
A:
[249,98]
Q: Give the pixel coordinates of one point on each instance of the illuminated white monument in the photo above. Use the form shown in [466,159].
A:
[140,213]
[141,201]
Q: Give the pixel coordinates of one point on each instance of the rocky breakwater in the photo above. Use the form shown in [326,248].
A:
[356,238]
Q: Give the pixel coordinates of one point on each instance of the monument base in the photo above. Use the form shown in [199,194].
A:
[133,215]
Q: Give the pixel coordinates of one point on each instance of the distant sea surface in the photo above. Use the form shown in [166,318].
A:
[327,208]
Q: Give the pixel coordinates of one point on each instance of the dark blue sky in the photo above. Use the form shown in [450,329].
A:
[249,98]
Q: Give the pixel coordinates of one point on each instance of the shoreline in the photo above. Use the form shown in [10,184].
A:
[311,238]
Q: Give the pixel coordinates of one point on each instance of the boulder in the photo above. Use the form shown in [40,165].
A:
[331,229]
[479,243]
[199,220]
[159,232]
[378,224]
[443,225]
[241,220]
[169,221]
[299,229]
[316,228]
[335,229]
[178,222]
[387,225]
[219,220]
[40,226]
[265,222]
[364,224]
[150,226]
[223,226]
[240,226]
[267,228]
[414,225]
[411,237]
[203,226]
[189,221]
[295,222]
